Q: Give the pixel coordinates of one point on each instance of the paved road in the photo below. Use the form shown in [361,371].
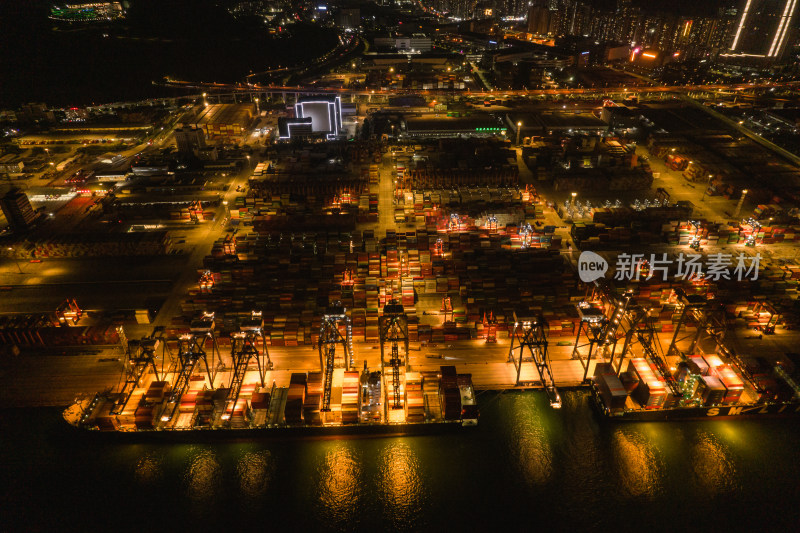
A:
[622,89]
[96,282]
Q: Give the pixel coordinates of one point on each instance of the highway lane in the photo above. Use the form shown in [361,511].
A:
[630,89]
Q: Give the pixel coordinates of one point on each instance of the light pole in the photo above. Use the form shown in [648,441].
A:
[10,249]
[707,186]
[205,102]
[249,163]
[573,199]
[519,129]
[739,205]
[258,109]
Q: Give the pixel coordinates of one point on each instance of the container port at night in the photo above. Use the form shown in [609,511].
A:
[400,265]
[430,280]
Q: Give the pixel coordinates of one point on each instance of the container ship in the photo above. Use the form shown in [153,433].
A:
[702,387]
[188,401]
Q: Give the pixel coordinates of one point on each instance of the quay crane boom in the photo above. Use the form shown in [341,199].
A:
[329,337]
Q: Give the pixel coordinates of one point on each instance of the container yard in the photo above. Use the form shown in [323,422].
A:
[418,271]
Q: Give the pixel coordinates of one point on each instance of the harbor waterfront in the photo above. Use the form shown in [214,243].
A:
[524,464]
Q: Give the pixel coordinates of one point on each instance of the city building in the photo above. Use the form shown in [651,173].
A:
[426,126]
[294,127]
[417,42]
[541,20]
[322,115]
[220,120]
[11,164]
[37,111]
[90,12]
[17,210]
[348,19]
[189,140]
[764,29]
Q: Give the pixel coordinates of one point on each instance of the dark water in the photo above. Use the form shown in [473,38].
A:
[526,467]
[62,65]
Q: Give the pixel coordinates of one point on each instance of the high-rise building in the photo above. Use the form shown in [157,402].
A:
[764,28]
[17,210]
[540,20]
[348,19]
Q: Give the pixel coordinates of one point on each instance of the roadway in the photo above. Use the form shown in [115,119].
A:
[622,89]
[96,282]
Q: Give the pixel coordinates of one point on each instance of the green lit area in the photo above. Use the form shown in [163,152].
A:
[88,12]
[490,129]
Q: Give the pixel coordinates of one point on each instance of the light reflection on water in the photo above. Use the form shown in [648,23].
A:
[203,476]
[529,461]
[637,462]
[713,467]
[148,469]
[528,443]
[401,485]
[255,470]
[339,482]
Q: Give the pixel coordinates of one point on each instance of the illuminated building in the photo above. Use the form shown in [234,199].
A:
[348,19]
[17,210]
[314,115]
[220,120]
[764,28]
[92,12]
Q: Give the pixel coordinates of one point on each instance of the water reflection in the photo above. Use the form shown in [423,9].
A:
[203,476]
[400,483]
[255,470]
[637,462]
[340,482]
[713,468]
[148,469]
[529,444]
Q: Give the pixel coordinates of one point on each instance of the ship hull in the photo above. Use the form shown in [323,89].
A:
[276,433]
[724,412]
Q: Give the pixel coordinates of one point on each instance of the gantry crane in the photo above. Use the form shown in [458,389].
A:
[608,317]
[605,318]
[141,354]
[329,337]
[490,325]
[531,333]
[447,308]
[709,320]
[68,312]
[244,349]
[191,350]
[591,336]
[393,328]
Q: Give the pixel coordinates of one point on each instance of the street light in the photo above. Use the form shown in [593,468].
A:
[258,109]
[573,198]
[10,249]
[707,186]
[249,163]
[519,129]
[739,205]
